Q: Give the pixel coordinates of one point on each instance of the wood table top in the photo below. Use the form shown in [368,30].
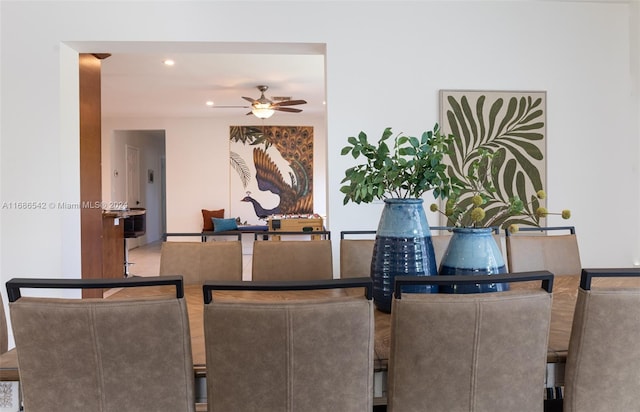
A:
[564,298]
[9,366]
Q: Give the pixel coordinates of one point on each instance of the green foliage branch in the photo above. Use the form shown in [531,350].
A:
[474,200]
[407,168]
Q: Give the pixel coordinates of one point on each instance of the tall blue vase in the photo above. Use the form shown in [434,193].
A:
[472,251]
[402,247]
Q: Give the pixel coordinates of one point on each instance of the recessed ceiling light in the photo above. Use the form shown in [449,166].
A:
[168,62]
[209,103]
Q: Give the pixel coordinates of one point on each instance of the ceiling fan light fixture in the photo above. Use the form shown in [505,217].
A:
[262,111]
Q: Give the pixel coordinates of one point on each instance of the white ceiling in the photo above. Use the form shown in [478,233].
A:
[140,85]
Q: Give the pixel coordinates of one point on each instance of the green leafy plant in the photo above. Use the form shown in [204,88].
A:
[474,201]
[407,169]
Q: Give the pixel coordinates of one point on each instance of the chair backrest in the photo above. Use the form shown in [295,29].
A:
[291,260]
[464,352]
[103,355]
[299,235]
[356,253]
[197,262]
[603,363]
[558,254]
[4,333]
[305,354]
[440,244]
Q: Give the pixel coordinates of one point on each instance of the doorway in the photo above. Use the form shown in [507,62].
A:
[138,156]
[140,91]
[132,183]
[133,176]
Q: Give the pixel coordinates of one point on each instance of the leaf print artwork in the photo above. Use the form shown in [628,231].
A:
[498,149]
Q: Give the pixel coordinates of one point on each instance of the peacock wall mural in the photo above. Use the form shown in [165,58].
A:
[271,171]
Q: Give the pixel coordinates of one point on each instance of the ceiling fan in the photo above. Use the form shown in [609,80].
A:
[264,108]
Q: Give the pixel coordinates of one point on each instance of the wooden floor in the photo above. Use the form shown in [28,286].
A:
[145,259]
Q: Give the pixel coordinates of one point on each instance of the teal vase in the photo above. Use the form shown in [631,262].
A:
[472,251]
[402,247]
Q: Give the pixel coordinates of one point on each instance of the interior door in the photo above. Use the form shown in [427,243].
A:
[133,184]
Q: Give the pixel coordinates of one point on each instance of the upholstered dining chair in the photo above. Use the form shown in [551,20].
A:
[542,248]
[555,249]
[293,353]
[10,388]
[603,363]
[197,262]
[4,335]
[482,352]
[356,251]
[103,355]
[291,260]
[440,241]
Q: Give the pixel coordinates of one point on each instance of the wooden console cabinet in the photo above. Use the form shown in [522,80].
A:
[112,246]
[295,224]
[298,224]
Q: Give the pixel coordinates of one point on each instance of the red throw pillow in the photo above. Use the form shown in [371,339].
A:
[207,223]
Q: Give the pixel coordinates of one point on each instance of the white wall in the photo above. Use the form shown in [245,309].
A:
[386,62]
[634,39]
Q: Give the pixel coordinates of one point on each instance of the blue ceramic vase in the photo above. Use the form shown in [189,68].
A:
[402,247]
[472,251]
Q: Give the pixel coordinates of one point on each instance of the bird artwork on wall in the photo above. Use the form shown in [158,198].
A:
[272,171]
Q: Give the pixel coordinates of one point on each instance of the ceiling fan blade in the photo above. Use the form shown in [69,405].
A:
[286,109]
[249,99]
[289,103]
[229,107]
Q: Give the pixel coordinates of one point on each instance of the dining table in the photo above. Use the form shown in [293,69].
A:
[564,297]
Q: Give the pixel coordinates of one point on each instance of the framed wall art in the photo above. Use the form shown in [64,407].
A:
[512,127]
[271,171]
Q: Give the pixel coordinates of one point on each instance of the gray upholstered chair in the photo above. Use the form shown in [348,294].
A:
[291,260]
[103,355]
[540,248]
[554,249]
[356,253]
[440,238]
[603,362]
[4,335]
[10,389]
[311,353]
[197,262]
[482,352]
